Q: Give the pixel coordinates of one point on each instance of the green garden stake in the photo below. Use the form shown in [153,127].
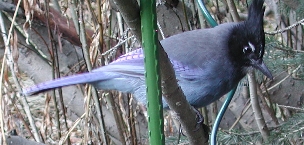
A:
[153,80]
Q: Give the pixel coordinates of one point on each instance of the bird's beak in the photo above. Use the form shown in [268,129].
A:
[260,65]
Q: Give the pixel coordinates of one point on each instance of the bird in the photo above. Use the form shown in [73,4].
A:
[208,63]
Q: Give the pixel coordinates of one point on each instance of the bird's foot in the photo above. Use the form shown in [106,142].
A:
[200,122]
[199,118]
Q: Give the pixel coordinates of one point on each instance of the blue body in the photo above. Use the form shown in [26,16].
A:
[204,70]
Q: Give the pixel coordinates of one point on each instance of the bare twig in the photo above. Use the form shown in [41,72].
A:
[89,66]
[8,7]
[294,71]
[55,71]
[119,124]
[74,15]
[87,113]
[291,107]
[244,110]
[267,107]
[233,11]
[62,140]
[114,48]
[286,29]
[290,50]
[8,56]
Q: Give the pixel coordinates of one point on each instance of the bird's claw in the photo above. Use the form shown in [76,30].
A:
[200,121]
[199,118]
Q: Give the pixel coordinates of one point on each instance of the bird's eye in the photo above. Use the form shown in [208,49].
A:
[247,50]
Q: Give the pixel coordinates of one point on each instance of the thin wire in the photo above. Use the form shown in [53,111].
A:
[220,116]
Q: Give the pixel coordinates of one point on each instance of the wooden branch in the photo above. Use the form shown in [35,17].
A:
[256,106]
[61,24]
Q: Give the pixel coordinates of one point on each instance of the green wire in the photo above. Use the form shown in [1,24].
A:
[220,116]
[153,81]
[206,13]
[222,111]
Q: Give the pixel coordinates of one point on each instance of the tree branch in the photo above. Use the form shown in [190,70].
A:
[256,106]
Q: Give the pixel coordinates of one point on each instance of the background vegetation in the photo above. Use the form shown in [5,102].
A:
[51,39]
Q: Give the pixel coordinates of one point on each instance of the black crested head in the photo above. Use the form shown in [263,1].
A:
[247,41]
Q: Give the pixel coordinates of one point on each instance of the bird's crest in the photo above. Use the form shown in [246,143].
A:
[256,12]
[248,37]
[254,22]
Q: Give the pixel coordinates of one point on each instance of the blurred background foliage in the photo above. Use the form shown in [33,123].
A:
[45,44]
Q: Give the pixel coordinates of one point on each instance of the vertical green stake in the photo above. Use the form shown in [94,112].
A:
[153,81]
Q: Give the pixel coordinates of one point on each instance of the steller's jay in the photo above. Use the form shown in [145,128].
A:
[208,63]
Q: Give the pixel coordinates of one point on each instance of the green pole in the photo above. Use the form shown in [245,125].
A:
[153,80]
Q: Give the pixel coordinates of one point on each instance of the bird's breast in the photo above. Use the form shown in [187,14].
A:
[210,86]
